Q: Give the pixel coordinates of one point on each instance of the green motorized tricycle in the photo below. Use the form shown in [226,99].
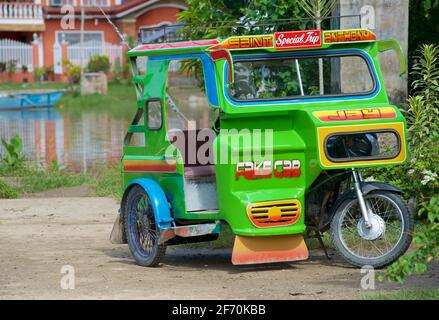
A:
[297,115]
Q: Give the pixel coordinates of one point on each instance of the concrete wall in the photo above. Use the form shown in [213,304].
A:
[387,19]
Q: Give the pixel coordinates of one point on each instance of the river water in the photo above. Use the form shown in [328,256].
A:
[78,142]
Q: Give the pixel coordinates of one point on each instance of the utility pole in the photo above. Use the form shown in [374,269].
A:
[82,38]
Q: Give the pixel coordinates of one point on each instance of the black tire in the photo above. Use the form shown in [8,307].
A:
[140,226]
[398,249]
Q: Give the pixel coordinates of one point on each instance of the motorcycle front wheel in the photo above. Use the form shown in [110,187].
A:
[380,244]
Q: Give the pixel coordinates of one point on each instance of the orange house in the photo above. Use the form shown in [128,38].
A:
[38,29]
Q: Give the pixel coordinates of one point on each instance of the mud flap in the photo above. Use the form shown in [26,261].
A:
[254,250]
[116,236]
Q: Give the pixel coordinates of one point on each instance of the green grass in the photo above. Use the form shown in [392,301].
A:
[407,294]
[106,181]
[7,191]
[32,86]
[120,102]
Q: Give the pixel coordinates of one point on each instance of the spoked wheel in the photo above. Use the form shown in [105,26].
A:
[380,244]
[141,229]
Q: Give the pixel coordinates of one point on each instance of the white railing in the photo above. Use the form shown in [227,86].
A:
[93,48]
[19,11]
[15,51]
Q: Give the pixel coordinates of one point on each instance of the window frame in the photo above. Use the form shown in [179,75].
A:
[59,33]
[299,97]
[147,114]
[371,158]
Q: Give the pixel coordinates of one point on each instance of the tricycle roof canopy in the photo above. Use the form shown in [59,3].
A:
[277,41]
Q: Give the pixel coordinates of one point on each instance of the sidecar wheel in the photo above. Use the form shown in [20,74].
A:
[382,244]
[141,230]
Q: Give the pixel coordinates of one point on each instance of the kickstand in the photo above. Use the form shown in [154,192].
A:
[318,235]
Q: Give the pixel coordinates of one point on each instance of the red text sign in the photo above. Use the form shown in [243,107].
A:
[298,39]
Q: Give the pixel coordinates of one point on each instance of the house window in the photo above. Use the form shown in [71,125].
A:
[161,33]
[73,37]
[61,2]
[84,3]
[95,3]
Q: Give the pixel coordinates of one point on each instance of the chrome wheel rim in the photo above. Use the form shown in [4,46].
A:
[386,232]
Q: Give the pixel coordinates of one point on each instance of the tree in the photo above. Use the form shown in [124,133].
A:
[423,26]
[209,19]
[318,9]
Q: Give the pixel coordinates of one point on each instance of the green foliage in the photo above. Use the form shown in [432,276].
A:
[32,177]
[40,179]
[423,26]
[11,66]
[427,251]
[117,71]
[407,294]
[13,151]
[2,67]
[418,177]
[115,103]
[318,8]
[98,63]
[73,72]
[6,191]
[108,182]
[208,19]
[38,73]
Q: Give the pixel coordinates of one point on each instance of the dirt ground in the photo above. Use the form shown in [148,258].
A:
[39,236]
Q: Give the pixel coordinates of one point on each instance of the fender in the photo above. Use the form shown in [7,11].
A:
[366,187]
[158,199]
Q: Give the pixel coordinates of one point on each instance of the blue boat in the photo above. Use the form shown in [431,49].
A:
[30,99]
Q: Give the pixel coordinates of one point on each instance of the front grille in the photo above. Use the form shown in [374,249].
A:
[274,213]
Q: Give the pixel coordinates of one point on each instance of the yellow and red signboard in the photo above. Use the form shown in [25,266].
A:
[289,40]
[355,114]
[298,39]
[245,42]
[357,35]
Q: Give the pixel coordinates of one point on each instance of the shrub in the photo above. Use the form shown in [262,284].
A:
[6,191]
[117,71]
[127,73]
[38,73]
[11,67]
[73,72]
[426,252]
[14,151]
[2,67]
[98,63]
[50,72]
[418,177]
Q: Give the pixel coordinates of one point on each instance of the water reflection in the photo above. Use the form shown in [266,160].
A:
[77,143]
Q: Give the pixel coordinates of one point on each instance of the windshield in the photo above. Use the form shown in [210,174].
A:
[301,77]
